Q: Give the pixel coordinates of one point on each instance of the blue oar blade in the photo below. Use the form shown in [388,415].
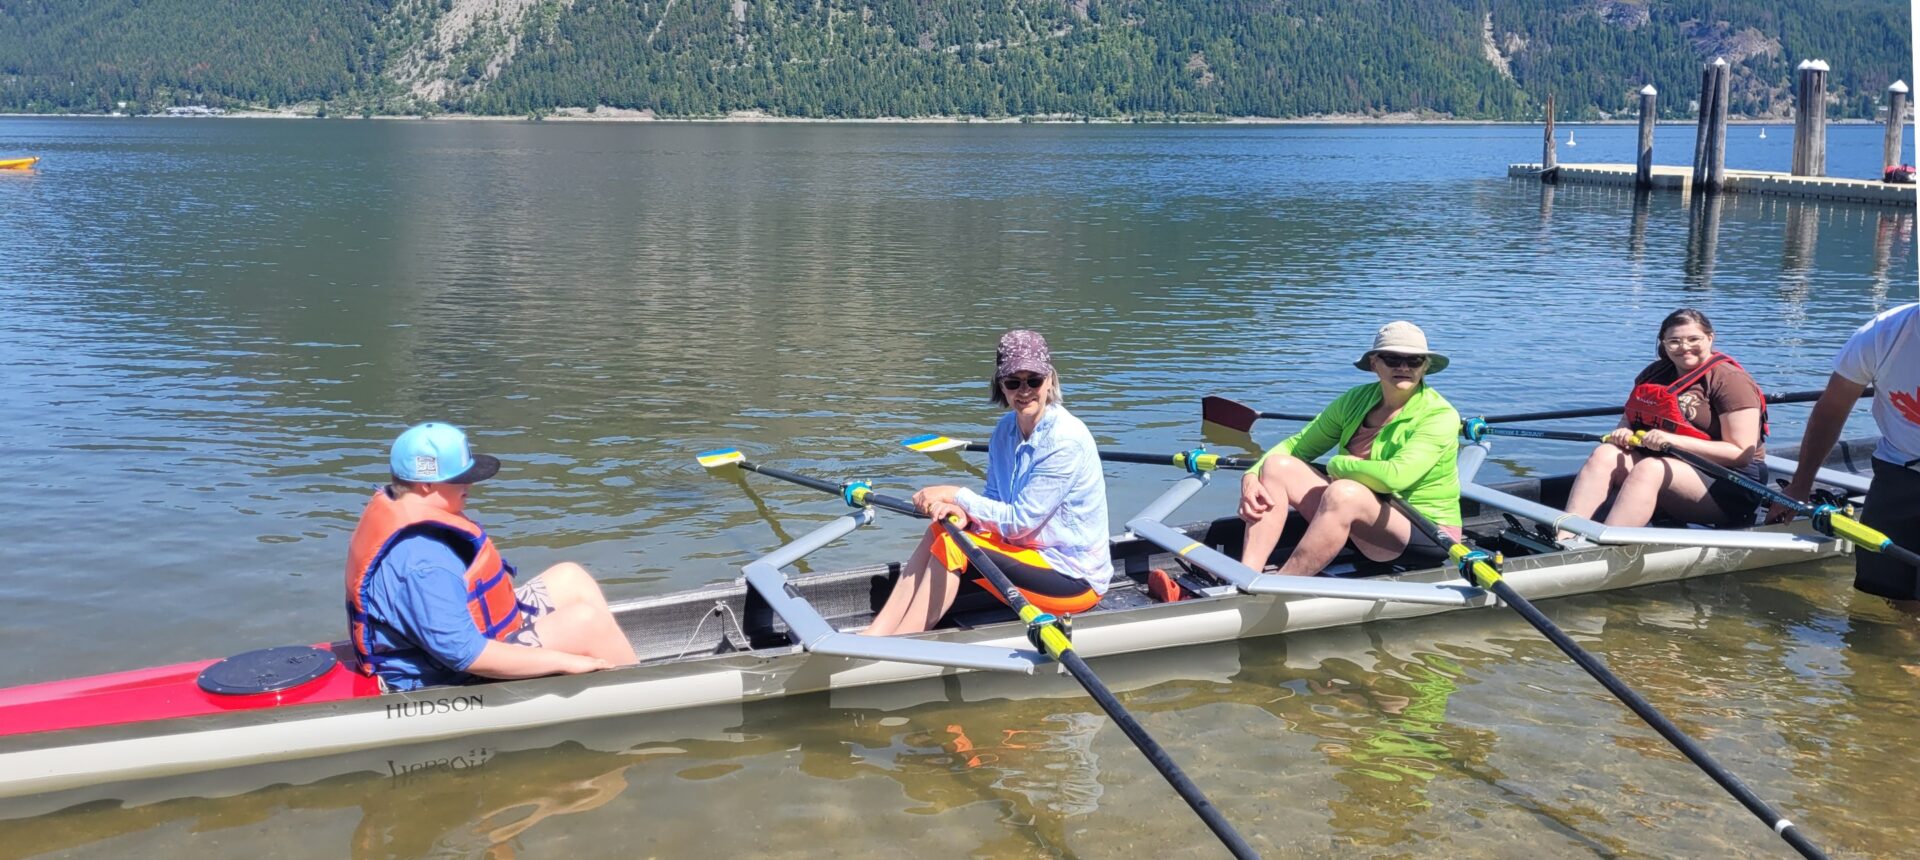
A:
[933,443]
[720,457]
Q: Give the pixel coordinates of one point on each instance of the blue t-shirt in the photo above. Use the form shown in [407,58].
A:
[418,599]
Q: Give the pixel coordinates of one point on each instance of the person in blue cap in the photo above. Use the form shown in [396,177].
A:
[430,600]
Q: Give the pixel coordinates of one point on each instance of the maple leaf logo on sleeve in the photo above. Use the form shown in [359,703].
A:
[1908,405]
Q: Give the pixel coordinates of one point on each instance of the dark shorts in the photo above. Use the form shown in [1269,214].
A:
[1736,502]
[1893,507]
[1421,553]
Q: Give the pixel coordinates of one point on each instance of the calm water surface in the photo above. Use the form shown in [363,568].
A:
[211,330]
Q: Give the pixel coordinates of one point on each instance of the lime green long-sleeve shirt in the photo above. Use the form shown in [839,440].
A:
[1415,456]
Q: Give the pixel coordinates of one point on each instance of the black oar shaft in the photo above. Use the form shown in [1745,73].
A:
[791,477]
[1598,411]
[1556,435]
[1633,700]
[1652,716]
[1156,754]
[1150,459]
[1837,525]
[1057,646]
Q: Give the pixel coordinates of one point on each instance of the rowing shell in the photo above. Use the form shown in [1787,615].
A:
[69,742]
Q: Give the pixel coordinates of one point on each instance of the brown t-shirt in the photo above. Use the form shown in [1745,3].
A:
[1725,388]
[1361,445]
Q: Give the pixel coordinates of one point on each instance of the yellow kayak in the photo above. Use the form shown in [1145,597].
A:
[17,163]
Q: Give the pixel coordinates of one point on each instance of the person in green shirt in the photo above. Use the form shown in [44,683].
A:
[1398,436]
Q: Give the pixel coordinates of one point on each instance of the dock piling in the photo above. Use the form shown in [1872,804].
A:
[1896,120]
[1643,166]
[1707,90]
[1549,160]
[1810,119]
[1717,128]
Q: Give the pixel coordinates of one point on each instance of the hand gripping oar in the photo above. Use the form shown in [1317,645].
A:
[1482,570]
[1234,415]
[1827,519]
[1043,629]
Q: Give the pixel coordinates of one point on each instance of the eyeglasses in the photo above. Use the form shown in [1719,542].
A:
[1400,361]
[1015,383]
[1678,342]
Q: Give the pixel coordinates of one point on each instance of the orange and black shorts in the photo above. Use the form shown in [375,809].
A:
[1050,590]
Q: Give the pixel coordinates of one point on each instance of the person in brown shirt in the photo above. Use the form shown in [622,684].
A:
[1690,399]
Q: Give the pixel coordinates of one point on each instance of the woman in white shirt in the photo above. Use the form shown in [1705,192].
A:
[1042,515]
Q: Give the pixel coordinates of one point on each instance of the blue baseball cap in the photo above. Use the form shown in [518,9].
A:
[436,453]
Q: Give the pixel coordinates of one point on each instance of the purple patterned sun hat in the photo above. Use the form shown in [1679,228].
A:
[1022,351]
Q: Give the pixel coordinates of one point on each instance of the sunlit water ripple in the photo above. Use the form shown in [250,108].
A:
[212,329]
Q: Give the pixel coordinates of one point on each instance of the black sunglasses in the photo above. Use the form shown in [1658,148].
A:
[1015,383]
[1400,361]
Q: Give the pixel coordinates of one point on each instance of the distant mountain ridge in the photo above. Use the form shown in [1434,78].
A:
[1468,59]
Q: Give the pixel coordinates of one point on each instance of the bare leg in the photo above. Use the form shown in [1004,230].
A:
[912,577]
[942,587]
[1292,484]
[1605,468]
[580,622]
[1348,511]
[919,601]
[1668,485]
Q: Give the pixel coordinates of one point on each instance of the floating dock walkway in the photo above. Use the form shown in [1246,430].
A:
[1737,181]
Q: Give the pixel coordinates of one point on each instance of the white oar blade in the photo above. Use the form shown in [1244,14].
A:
[720,457]
[933,443]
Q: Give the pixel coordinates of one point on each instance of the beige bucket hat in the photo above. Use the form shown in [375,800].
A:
[1403,338]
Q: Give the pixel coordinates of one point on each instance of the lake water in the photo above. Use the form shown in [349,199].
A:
[212,329]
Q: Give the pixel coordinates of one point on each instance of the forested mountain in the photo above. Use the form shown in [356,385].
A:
[1492,59]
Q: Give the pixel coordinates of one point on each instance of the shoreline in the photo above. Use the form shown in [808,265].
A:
[610,115]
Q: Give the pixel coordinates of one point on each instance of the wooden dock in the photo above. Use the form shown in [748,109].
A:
[1738,181]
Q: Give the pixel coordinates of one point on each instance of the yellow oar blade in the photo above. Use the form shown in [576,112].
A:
[720,457]
[933,443]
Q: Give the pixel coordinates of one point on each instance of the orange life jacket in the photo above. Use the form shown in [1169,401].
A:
[1653,406]
[490,599]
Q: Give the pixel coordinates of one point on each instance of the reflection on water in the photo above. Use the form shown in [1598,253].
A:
[212,330]
[1703,236]
[1456,735]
